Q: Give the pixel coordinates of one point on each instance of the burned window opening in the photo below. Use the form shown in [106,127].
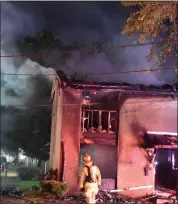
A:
[166,164]
[102,121]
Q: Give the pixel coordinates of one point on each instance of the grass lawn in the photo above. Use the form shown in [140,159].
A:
[13,178]
[24,185]
[10,174]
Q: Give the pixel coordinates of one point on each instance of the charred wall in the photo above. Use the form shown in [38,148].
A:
[137,115]
[71,113]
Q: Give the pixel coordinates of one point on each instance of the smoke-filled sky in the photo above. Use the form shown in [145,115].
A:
[86,22]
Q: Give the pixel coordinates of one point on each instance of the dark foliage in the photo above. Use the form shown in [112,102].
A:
[30,126]
[50,184]
[26,173]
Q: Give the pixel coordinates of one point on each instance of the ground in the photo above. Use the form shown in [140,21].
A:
[12,180]
[9,200]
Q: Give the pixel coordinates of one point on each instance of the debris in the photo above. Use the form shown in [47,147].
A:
[104,197]
[17,192]
[35,188]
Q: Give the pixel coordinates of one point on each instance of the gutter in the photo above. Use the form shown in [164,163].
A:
[164,93]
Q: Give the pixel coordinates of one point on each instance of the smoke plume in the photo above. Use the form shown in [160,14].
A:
[74,22]
[18,91]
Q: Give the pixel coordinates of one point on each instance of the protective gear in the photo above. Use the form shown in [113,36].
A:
[90,180]
[87,158]
[91,192]
[82,190]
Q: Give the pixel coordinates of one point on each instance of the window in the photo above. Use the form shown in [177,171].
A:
[99,121]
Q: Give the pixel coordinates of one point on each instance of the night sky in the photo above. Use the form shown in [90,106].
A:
[82,21]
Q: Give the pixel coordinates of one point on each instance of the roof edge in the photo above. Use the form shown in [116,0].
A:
[77,84]
[171,89]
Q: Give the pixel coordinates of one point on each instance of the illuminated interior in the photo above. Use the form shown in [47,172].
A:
[103,156]
[166,158]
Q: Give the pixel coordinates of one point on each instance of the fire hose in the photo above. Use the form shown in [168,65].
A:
[127,188]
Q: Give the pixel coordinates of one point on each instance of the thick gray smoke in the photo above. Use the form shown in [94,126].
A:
[16,89]
[75,22]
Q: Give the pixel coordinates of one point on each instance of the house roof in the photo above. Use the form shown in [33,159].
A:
[76,84]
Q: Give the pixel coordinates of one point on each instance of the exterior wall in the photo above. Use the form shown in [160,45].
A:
[71,122]
[55,146]
[137,115]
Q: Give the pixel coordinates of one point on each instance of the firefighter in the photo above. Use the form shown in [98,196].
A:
[90,180]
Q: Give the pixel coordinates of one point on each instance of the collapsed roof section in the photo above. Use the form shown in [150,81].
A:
[126,87]
[160,140]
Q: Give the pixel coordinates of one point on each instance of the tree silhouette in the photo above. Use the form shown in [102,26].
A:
[155,21]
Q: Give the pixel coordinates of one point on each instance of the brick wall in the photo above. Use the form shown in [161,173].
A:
[137,115]
[71,136]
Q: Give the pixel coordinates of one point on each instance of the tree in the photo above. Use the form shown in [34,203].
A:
[30,126]
[3,160]
[45,42]
[155,21]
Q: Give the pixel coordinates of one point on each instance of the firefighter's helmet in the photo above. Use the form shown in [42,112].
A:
[87,158]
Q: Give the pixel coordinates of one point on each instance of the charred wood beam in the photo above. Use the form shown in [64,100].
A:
[83,121]
[93,110]
[166,146]
[100,119]
[91,119]
[98,140]
[156,140]
[109,120]
[124,88]
[88,114]
[88,119]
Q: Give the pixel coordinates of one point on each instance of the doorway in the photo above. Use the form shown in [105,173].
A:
[166,168]
[105,157]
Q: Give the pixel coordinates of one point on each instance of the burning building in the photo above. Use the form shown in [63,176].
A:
[120,125]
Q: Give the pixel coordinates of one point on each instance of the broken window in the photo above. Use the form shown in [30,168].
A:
[99,121]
